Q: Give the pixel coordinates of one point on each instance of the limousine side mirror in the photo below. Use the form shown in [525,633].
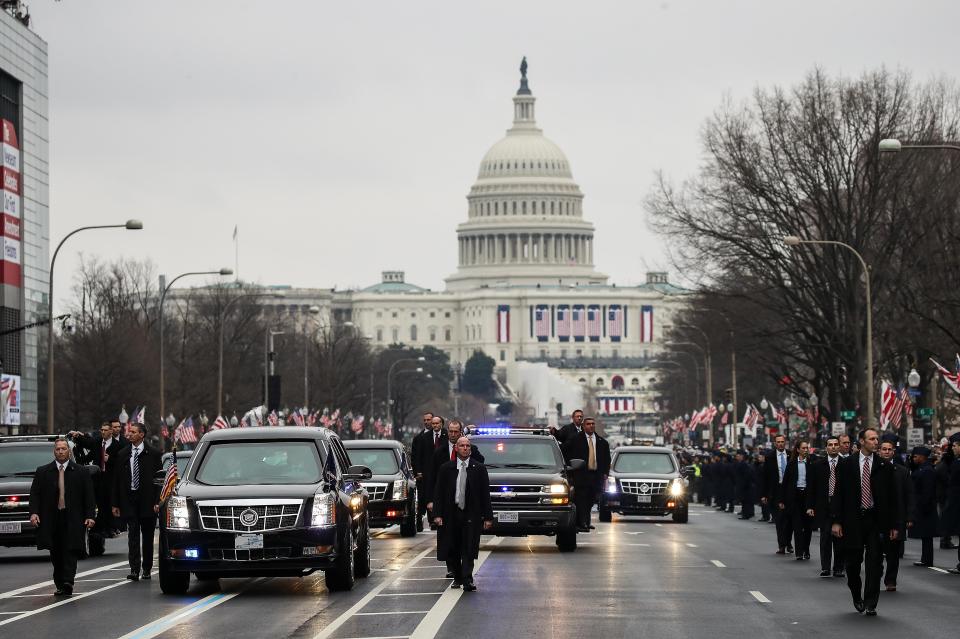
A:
[356,473]
[576,464]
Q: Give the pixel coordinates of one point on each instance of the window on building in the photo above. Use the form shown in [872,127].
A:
[379,314]
[413,333]
[543,353]
[447,314]
[616,383]
[599,381]
[446,334]
[615,354]
[503,356]
[563,353]
[432,314]
[413,314]
[396,335]
[379,334]
[635,381]
[579,352]
[433,334]
[393,314]
[582,380]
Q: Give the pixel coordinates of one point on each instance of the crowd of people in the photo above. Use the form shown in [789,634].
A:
[864,497]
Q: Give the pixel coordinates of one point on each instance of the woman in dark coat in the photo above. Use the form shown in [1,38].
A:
[924,516]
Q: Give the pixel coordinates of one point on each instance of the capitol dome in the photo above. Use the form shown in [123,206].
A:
[525,223]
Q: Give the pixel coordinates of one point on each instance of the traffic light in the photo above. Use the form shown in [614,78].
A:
[842,376]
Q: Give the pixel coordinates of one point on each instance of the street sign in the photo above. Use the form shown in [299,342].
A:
[838,428]
[926,412]
[848,414]
[772,422]
[914,437]
[914,392]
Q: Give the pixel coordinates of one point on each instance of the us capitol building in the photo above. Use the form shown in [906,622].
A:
[525,291]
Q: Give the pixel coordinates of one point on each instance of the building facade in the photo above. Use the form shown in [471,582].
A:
[24,269]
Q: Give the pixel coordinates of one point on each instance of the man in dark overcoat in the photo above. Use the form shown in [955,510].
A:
[924,513]
[588,482]
[462,511]
[951,511]
[893,548]
[421,451]
[62,504]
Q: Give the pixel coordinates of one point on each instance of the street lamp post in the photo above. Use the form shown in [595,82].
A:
[706,366]
[223,317]
[892,145]
[390,386]
[163,297]
[268,366]
[733,365]
[130,225]
[793,240]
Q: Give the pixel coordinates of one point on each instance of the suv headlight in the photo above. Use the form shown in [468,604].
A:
[178,516]
[555,489]
[676,488]
[399,489]
[324,510]
[611,484]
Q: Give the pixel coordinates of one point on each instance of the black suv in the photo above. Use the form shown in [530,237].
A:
[393,487]
[528,485]
[645,480]
[20,456]
[273,501]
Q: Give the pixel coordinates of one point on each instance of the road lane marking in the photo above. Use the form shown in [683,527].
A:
[496,541]
[659,525]
[430,625]
[395,612]
[691,545]
[424,578]
[642,545]
[63,602]
[355,608]
[939,569]
[718,564]
[759,596]
[408,594]
[636,532]
[10,593]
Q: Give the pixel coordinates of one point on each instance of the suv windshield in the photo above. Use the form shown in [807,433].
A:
[380,461]
[659,463]
[519,453]
[18,460]
[261,462]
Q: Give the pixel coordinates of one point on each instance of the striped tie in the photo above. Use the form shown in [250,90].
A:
[866,497]
[135,474]
[833,476]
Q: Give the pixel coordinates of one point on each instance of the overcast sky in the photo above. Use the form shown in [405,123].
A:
[342,138]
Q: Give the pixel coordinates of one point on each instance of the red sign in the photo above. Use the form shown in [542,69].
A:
[9,134]
[10,227]
[11,180]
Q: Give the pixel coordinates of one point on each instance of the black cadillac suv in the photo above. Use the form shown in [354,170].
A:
[393,488]
[645,480]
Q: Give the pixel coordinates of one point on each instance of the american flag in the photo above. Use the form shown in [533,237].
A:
[752,417]
[579,323]
[312,419]
[297,417]
[185,432]
[272,418]
[357,424]
[594,326]
[138,416]
[541,322]
[615,322]
[219,423]
[952,379]
[892,403]
[170,480]
[646,324]
[563,323]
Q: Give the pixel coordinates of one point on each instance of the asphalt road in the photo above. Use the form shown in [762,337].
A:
[714,577]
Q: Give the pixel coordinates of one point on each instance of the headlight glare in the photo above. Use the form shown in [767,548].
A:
[399,489]
[324,510]
[676,488]
[557,489]
[178,516]
[611,485]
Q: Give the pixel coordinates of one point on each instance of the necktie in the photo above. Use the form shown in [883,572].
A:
[61,494]
[135,474]
[453,454]
[592,459]
[833,477]
[103,454]
[462,486]
[782,464]
[866,496]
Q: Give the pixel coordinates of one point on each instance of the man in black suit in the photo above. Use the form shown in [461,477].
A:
[462,512]
[444,454]
[588,482]
[102,452]
[421,451]
[61,505]
[821,486]
[865,513]
[774,467]
[745,488]
[793,499]
[570,430]
[137,499]
[892,549]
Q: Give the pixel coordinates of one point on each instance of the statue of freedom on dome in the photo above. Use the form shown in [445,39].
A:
[523,67]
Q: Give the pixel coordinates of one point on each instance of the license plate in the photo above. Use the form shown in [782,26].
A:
[644,499]
[248,542]
[10,527]
[507,517]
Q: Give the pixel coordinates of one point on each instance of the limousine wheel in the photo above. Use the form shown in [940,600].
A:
[361,556]
[172,582]
[340,576]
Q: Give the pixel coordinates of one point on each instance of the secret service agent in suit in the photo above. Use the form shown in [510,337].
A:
[421,451]
[102,452]
[794,498]
[924,513]
[745,486]
[865,512]
[892,549]
[774,467]
[821,486]
[137,499]
[588,482]
[462,511]
[446,453]
[570,430]
[61,505]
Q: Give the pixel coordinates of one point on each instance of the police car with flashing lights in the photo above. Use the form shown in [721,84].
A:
[393,487]
[645,480]
[529,485]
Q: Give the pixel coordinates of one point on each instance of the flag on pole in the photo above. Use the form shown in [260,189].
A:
[139,416]
[219,423]
[171,478]
[185,432]
[952,379]
[272,418]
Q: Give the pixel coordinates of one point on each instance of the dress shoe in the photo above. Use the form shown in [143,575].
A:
[469,587]
[922,564]
[858,604]
[592,527]
[450,574]
[948,546]
[871,612]
[64,591]
[583,528]
[806,556]
[745,517]
[839,573]
[799,557]
[133,576]
[455,584]
[781,552]
[891,587]
[145,575]
[954,571]
[789,550]
[824,573]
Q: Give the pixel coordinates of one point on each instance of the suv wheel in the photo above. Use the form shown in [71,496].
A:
[604,514]
[172,582]
[408,526]
[681,515]
[340,576]
[361,556]
[567,539]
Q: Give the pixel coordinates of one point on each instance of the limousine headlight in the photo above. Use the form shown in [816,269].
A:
[324,510]
[399,489]
[676,488]
[611,484]
[178,517]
